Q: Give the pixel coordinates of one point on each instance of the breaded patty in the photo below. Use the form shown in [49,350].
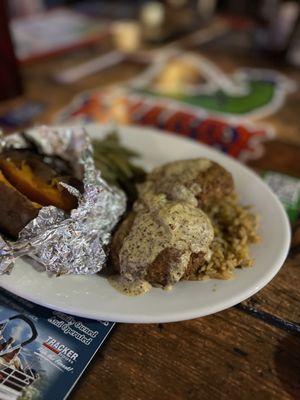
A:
[160,241]
[158,273]
[200,182]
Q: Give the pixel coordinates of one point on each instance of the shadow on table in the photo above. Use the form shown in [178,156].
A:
[287,364]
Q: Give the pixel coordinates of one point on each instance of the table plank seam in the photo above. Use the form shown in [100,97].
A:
[270,318]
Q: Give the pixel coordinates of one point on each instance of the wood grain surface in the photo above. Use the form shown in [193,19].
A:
[251,351]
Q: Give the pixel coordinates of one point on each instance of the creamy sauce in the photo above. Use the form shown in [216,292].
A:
[176,180]
[130,288]
[166,216]
[161,224]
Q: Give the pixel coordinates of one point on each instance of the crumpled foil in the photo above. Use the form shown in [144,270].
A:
[63,243]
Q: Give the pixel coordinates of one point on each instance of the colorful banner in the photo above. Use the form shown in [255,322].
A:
[242,140]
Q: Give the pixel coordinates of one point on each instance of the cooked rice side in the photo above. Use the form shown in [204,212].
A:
[235,228]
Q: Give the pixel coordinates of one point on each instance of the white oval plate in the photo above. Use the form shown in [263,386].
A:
[93,297]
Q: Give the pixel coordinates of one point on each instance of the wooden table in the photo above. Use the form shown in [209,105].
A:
[251,351]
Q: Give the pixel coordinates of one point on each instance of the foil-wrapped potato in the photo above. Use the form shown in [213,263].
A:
[27,184]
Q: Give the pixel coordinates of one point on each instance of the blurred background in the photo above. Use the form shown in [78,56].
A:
[222,72]
[186,53]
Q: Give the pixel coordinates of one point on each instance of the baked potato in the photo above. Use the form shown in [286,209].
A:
[16,211]
[27,184]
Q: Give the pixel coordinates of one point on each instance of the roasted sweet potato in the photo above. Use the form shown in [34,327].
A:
[36,180]
[27,183]
[16,211]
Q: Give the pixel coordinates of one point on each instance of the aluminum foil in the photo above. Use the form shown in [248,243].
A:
[63,243]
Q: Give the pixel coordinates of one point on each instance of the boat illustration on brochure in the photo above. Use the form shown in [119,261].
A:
[16,374]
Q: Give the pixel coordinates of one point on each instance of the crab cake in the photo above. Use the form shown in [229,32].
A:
[200,182]
[159,241]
